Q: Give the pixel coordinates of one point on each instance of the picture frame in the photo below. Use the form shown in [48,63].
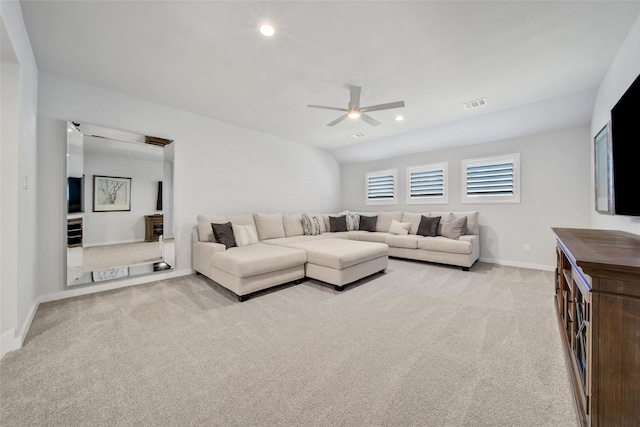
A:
[603,171]
[111,194]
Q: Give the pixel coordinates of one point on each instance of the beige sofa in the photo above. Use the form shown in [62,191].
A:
[285,254]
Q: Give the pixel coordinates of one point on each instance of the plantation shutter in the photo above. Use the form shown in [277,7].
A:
[426,183]
[381,187]
[493,179]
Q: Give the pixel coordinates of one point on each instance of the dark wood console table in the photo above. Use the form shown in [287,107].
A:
[597,294]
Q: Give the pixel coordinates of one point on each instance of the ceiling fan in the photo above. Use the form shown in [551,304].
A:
[354,110]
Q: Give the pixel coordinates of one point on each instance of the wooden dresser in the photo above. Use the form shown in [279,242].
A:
[153,227]
[597,294]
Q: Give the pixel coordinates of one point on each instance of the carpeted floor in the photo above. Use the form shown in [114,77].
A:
[422,345]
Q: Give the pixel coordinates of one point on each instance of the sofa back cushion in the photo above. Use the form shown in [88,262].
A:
[385,218]
[292,225]
[413,219]
[205,232]
[472,220]
[269,226]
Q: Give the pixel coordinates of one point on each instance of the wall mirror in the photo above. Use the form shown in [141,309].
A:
[119,204]
[603,172]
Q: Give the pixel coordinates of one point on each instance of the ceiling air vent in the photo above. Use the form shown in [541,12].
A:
[475,104]
[359,135]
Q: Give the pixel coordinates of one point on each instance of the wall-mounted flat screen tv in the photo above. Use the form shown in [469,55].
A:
[625,146]
[75,195]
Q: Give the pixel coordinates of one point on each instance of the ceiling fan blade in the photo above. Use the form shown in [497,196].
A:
[327,108]
[369,119]
[355,96]
[387,106]
[336,121]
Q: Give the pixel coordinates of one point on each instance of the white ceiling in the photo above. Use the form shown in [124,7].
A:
[537,63]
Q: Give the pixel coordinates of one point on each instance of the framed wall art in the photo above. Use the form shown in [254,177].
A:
[603,172]
[111,194]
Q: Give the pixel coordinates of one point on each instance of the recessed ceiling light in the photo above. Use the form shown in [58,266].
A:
[399,118]
[267,30]
[359,135]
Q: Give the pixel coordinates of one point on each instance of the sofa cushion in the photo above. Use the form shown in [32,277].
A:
[401,228]
[409,241]
[339,253]
[385,218]
[428,226]
[412,218]
[224,234]
[454,228]
[257,259]
[373,237]
[337,223]
[205,232]
[368,223]
[245,235]
[444,244]
[292,225]
[269,226]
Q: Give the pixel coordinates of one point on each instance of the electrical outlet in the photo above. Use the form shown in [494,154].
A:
[527,247]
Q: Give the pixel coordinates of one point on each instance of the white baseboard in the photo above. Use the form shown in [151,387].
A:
[114,242]
[116,284]
[518,264]
[10,340]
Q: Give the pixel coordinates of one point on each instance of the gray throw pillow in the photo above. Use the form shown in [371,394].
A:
[428,226]
[337,223]
[368,223]
[454,229]
[223,233]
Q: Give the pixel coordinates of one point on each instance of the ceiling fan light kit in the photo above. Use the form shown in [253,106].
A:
[354,111]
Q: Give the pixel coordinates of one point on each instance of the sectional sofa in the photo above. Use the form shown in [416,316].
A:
[267,250]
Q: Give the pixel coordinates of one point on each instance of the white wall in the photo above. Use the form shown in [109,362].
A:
[623,71]
[19,277]
[218,168]
[554,193]
[103,228]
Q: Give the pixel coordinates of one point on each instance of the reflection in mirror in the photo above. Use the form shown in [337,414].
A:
[119,204]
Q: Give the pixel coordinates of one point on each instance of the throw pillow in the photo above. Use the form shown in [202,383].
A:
[428,226]
[337,223]
[398,227]
[454,229]
[224,234]
[311,225]
[245,235]
[353,221]
[368,223]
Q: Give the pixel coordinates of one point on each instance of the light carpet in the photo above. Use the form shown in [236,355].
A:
[422,345]
[109,256]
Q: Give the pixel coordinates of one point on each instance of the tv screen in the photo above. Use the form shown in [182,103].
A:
[625,144]
[74,195]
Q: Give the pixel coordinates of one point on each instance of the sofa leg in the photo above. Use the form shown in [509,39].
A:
[339,288]
[242,298]
[465,268]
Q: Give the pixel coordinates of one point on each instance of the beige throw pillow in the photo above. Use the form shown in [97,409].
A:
[455,228]
[245,235]
[401,228]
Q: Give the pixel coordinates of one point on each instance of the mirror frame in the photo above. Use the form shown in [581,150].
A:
[167,261]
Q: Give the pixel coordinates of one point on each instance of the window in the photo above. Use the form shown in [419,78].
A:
[381,187]
[427,184]
[491,179]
